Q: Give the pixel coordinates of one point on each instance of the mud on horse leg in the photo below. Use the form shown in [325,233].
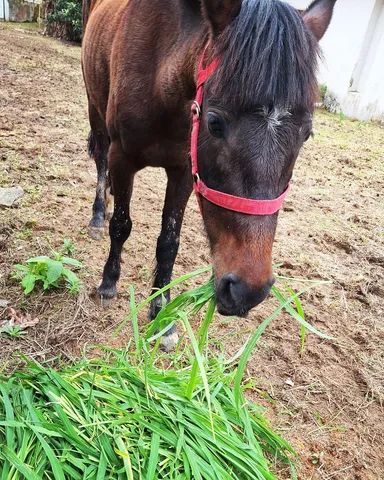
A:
[98,144]
[109,201]
[179,188]
[120,225]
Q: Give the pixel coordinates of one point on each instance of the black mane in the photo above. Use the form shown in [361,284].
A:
[268,57]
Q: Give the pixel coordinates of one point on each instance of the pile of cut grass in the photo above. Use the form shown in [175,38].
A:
[112,419]
[135,415]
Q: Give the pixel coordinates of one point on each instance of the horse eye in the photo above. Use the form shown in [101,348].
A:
[309,134]
[215,125]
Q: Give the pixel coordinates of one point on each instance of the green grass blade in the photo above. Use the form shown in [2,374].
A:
[174,283]
[284,304]
[135,322]
[102,467]
[55,464]
[200,363]
[14,460]
[202,335]
[124,454]
[287,306]
[153,457]
[9,416]
[300,311]
[9,432]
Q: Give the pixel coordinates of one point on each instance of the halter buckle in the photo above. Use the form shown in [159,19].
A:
[196,109]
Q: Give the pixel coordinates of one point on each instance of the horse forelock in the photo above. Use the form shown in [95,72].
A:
[267,57]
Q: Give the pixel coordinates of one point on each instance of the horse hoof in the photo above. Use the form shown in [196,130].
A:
[169,342]
[105,302]
[105,296]
[100,300]
[96,233]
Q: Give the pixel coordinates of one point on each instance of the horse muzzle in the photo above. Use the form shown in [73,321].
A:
[235,297]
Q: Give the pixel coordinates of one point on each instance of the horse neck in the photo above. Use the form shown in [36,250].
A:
[179,69]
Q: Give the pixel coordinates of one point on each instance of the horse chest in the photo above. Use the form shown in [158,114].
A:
[160,140]
[164,154]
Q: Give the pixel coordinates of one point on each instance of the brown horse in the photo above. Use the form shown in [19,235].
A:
[140,60]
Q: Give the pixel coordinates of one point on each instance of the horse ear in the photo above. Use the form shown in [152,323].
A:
[318,16]
[220,13]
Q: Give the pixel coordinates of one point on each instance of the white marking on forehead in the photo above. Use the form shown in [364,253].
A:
[274,116]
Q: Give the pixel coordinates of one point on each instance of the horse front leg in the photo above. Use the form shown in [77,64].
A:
[120,226]
[179,188]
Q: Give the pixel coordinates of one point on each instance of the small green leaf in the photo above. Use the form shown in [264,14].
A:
[54,271]
[71,261]
[28,283]
[21,268]
[42,259]
[71,277]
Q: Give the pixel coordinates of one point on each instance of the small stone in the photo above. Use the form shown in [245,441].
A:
[4,303]
[288,208]
[8,196]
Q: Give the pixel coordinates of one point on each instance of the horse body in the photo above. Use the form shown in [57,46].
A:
[139,83]
[139,62]
[139,89]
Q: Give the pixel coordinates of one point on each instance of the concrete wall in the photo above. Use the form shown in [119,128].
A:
[365,97]
[19,10]
[353,67]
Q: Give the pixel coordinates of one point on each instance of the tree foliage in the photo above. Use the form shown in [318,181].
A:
[64,19]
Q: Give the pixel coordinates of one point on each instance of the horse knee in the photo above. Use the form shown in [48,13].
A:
[120,227]
[97,149]
[167,248]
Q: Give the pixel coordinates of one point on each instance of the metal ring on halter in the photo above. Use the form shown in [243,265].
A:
[196,177]
[196,110]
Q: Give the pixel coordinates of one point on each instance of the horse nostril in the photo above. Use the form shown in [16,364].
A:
[236,297]
[230,290]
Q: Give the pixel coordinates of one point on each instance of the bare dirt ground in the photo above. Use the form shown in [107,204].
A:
[327,401]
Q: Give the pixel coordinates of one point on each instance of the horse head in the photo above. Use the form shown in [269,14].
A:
[255,116]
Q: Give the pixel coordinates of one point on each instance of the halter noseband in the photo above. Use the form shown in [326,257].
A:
[224,200]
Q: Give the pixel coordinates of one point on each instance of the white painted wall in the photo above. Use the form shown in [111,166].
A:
[4,10]
[353,48]
[365,98]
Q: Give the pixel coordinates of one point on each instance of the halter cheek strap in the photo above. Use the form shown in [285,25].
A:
[229,202]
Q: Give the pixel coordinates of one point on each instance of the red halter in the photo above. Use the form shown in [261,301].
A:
[224,200]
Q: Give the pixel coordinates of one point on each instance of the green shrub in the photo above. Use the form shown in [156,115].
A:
[64,20]
[323,92]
